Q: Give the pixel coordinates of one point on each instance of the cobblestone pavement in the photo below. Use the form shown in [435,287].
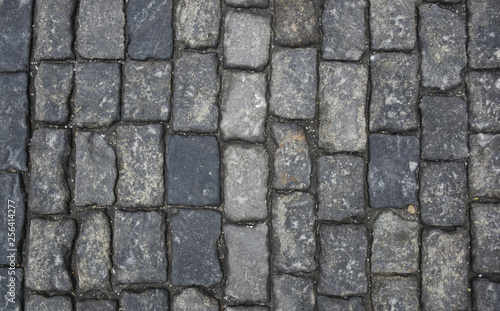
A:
[249,155]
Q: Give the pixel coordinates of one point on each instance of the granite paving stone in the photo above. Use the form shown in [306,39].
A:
[342,104]
[246,174]
[193,299]
[486,295]
[293,83]
[392,24]
[101,305]
[48,188]
[195,234]
[13,119]
[342,260]
[95,170]
[147,300]
[341,187]
[344,29]
[261,4]
[442,46]
[146,91]
[42,303]
[197,22]
[294,233]
[53,86]
[193,166]
[391,170]
[445,258]
[247,262]
[443,193]
[444,128]
[49,251]
[97,96]
[140,165]
[395,293]
[12,214]
[93,250]
[196,86]
[15,22]
[394,92]
[292,163]
[100,29]
[11,282]
[293,293]
[140,251]
[484,93]
[247,308]
[484,165]
[485,220]
[325,303]
[246,40]
[243,106]
[297,22]
[395,245]
[483,29]
[54,29]
[149,29]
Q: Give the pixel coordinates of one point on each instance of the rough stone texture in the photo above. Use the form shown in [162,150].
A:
[6,280]
[445,269]
[41,303]
[485,237]
[484,27]
[15,22]
[247,262]
[444,128]
[395,245]
[261,4]
[140,153]
[95,170]
[342,260]
[196,86]
[344,29]
[147,91]
[12,213]
[194,247]
[101,305]
[193,166]
[297,22]
[48,187]
[337,304]
[392,24]
[147,300]
[246,308]
[49,251]
[197,23]
[341,187]
[149,29]
[442,45]
[395,293]
[443,193]
[292,163]
[246,174]
[484,93]
[394,93]
[53,85]
[140,252]
[100,29]
[293,84]
[391,170]
[484,165]
[13,115]
[486,295]
[294,232]
[342,105]
[193,299]
[93,250]
[243,106]
[246,40]
[97,97]
[54,29]
[293,293]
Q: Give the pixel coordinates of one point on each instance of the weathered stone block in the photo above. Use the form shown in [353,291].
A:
[297,22]
[147,300]
[11,281]
[293,293]
[486,295]
[15,22]
[193,299]
[337,304]
[197,23]
[483,28]
[42,303]
[395,292]
[101,305]
[12,213]
[484,165]
[485,237]
[484,92]
[392,24]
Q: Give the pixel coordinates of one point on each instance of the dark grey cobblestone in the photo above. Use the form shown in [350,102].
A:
[484,165]
[392,24]
[293,293]
[193,299]
[197,23]
[395,293]
[12,214]
[94,305]
[487,295]
[253,308]
[262,4]
[484,92]
[15,22]
[148,300]
[297,22]
[11,300]
[484,27]
[337,304]
[42,303]
[485,219]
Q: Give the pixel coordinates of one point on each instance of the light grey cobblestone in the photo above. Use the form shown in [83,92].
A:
[325,303]
[487,295]
[293,293]
[392,24]
[42,303]
[193,299]
[8,281]
[484,165]
[395,292]
[148,300]
[197,23]
[485,219]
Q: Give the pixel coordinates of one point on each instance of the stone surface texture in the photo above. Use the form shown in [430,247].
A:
[395,293]
[11,280]
[325,303]
[197,23]
[193,299]
[484,165]
[485,220]
[487,295]
[41,303]
[148,300]
[15,22]
[261,4]
[297,22]
[484,94]
[484,26]
[293,293]
[101,305]
[392,24]
[12,213]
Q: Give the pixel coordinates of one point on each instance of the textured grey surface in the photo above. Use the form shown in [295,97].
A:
[12,212]
[487,295]
[297,22]
[484,165]
[395,293]
[484,26]
[484,94]
[485,219]
[325,303]
[101,305]
[193,299]
[197,22]
[392,24]
[293,293]
[42,303]
[15,22]
[11,280]
[148,300]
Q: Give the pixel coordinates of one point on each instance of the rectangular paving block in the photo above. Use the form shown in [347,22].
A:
[139,247]
[392,24]
[11,282]
[48,188]
[484,165]
[15,22]
[197,22]
[395,293]
[484,92]
[261,4]
[483,29]
[12,213]
[342,105]
[297,22]
[42,303]
[486,295]
[150,299]
[193,299]
[247,308]
[101,305]
[325,303]
[293,293]
[13,119]
[140,165]
[485,237]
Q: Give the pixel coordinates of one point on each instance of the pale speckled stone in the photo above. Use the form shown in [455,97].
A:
[42,303]
[193,299]
[392,24]
[485,237]
[293,293]
[483,28]
[395,293]
[484,97]
[484,165]
[197,23]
